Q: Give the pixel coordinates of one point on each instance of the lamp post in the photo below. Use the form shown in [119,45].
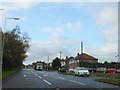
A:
[4,34]
[6,21]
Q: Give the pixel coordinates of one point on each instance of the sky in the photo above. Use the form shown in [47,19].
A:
[61,26]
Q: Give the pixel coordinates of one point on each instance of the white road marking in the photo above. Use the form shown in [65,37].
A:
[40,77]
[61,77]
[46,81]
[45,75]
[36,74]
[77,82]
[24,75]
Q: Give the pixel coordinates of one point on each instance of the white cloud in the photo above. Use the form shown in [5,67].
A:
[107,19]
[16,5]
[74,26]
[40,50]
[108,16]
[52,30]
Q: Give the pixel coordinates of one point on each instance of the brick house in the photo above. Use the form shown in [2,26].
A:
[73,62]
[86,58]
[62,62]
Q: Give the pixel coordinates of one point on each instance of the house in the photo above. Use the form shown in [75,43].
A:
[73,62]
[86,58]
[62,62]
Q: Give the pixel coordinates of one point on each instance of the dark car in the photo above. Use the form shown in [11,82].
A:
[61,70]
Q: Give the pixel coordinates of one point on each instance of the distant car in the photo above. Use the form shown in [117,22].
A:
[61,70]
[81,71]
[101,69]
[111,70]
[92,70]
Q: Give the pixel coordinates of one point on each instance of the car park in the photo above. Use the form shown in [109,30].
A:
[81,71]
[111,70]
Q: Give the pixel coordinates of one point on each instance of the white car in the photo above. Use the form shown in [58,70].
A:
[81,71]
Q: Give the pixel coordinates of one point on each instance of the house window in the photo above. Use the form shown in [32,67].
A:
[71,61]
[90,61]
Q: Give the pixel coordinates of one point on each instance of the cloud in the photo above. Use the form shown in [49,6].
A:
[40,50]
[108,16]
[52,30]
[74,26]
[107,19]
[17,5]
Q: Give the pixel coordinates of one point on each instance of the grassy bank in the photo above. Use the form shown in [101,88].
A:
[65,73]
[7,73]
[107,75]
[110,81]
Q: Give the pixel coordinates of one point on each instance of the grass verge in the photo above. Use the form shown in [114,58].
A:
[109,81]
[107,75]
[65,73]
[7,73]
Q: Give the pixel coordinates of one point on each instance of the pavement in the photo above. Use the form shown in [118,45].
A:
[31,79]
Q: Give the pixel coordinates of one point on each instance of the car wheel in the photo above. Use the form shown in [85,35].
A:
[75,74]
[87,75]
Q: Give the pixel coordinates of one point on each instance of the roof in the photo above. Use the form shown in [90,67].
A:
[85,57]
[67,59]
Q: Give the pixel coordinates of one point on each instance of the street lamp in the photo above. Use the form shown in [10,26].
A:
[4,34]
[7,19]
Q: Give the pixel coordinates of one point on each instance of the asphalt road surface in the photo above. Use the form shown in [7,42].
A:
[29,78]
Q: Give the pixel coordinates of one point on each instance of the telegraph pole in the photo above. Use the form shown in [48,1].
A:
[60,54]
[48,63]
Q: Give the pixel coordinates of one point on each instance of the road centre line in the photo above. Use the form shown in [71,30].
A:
[77,82]
[46,81]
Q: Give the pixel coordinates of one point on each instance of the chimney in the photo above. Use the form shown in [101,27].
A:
[78,54]
[66,57]
[81,47]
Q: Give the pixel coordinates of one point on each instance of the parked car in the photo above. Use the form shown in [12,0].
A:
[92,70]
[111,70]
[118,70]
[61,70]
[81,71]
[71,70]
[101,69]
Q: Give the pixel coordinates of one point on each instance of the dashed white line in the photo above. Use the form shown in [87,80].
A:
[61,77]
[46,81]
[45,75]
[77,82]
[24,75]
[40,77]
[36,74]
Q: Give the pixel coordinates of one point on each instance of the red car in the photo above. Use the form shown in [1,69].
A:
[111,70]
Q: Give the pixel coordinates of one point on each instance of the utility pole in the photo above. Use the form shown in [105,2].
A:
[48,63]
[81,47]
[60,54]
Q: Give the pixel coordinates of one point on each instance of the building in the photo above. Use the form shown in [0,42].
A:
[85,58]
[62,62]
[73,62]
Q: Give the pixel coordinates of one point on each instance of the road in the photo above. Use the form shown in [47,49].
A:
[29,78]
